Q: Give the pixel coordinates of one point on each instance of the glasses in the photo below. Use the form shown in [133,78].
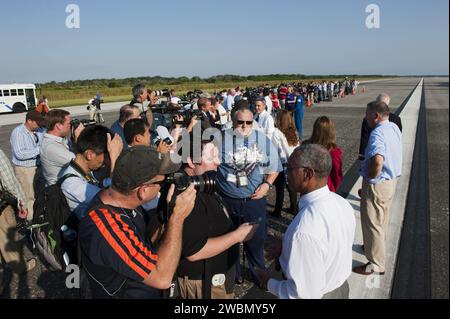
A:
[246,122]
[160,183]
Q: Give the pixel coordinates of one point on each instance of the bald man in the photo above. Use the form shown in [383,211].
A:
[315,253]
[366,129]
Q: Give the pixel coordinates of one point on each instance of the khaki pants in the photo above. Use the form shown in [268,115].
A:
[192,289]
[376,200]
[26,178]
[10,247]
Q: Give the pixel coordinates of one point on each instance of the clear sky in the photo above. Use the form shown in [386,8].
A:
[130,38]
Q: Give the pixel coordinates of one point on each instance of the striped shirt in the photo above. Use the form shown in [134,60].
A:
[25,146]
[9,181]
[116,251]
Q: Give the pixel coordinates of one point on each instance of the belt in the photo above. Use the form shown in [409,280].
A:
[246,199]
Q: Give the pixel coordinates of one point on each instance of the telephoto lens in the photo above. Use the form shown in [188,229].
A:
[205,183]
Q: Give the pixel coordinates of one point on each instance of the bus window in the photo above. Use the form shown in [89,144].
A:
[13,92]
[5,92]
[1,93]
[20,91]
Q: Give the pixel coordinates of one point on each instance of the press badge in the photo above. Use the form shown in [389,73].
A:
[218,280]
[231,178]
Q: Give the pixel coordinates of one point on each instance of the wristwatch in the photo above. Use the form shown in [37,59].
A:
[268,183]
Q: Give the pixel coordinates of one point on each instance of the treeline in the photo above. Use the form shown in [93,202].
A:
[161,81]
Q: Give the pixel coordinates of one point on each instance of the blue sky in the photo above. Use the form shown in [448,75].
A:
[120,38]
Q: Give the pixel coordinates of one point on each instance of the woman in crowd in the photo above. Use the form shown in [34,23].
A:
[286,138]
[324,133]
[275,101]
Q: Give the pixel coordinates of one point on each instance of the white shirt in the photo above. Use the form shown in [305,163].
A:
[265,122]
[317,247]
[223,118]
[175,100]
[284,149]
[55,154]
[230,102]
[269,104]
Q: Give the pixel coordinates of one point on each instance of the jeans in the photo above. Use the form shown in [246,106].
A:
[242,211]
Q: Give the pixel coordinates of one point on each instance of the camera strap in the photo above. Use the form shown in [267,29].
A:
[89,178]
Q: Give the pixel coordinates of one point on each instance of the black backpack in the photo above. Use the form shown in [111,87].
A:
[51,212]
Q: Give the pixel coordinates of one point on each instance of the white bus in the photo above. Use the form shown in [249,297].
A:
[17,98]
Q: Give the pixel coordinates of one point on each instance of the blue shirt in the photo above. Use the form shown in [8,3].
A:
[266,161]
[117,129]
[385,140]
[290,97]
[78,191]
[299,104]
[25,146]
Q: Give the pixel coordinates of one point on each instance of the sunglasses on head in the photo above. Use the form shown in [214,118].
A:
[246,122]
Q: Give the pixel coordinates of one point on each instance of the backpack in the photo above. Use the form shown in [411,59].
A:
[51,212]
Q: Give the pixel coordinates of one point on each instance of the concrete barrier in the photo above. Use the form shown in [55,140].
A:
[379,287]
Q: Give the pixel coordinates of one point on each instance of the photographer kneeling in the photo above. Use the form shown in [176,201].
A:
[119,258]
[209,250]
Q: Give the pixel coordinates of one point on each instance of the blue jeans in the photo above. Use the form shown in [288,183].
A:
[243,211]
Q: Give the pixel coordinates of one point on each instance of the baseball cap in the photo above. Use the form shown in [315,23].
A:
[139,165]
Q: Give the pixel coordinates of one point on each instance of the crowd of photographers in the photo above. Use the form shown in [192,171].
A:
[166,196]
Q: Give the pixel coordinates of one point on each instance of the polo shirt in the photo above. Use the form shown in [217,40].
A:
[384,140]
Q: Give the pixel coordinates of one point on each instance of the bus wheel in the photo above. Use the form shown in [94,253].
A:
[19,108]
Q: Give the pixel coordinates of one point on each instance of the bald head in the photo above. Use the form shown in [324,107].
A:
[383,97]
[312,156]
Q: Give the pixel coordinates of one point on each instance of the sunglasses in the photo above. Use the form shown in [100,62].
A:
[246,122]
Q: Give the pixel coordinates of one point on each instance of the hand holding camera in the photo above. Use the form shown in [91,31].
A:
[184,202]
[114,146]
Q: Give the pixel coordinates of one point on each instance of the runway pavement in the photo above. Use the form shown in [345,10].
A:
[347,113]
[437,106]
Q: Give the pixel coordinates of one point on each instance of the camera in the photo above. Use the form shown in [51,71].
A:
[205,183]
[76,122]
[163,92]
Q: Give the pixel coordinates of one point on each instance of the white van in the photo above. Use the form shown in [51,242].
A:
[17,98]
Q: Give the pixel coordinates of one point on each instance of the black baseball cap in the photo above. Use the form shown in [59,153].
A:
[138,165]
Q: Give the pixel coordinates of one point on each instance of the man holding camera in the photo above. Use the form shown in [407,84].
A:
[126,113]
[55,152]
[93,146]
[116,253]
[250,165]
[209,251]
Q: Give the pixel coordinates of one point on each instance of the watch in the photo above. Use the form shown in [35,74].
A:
[268,183]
